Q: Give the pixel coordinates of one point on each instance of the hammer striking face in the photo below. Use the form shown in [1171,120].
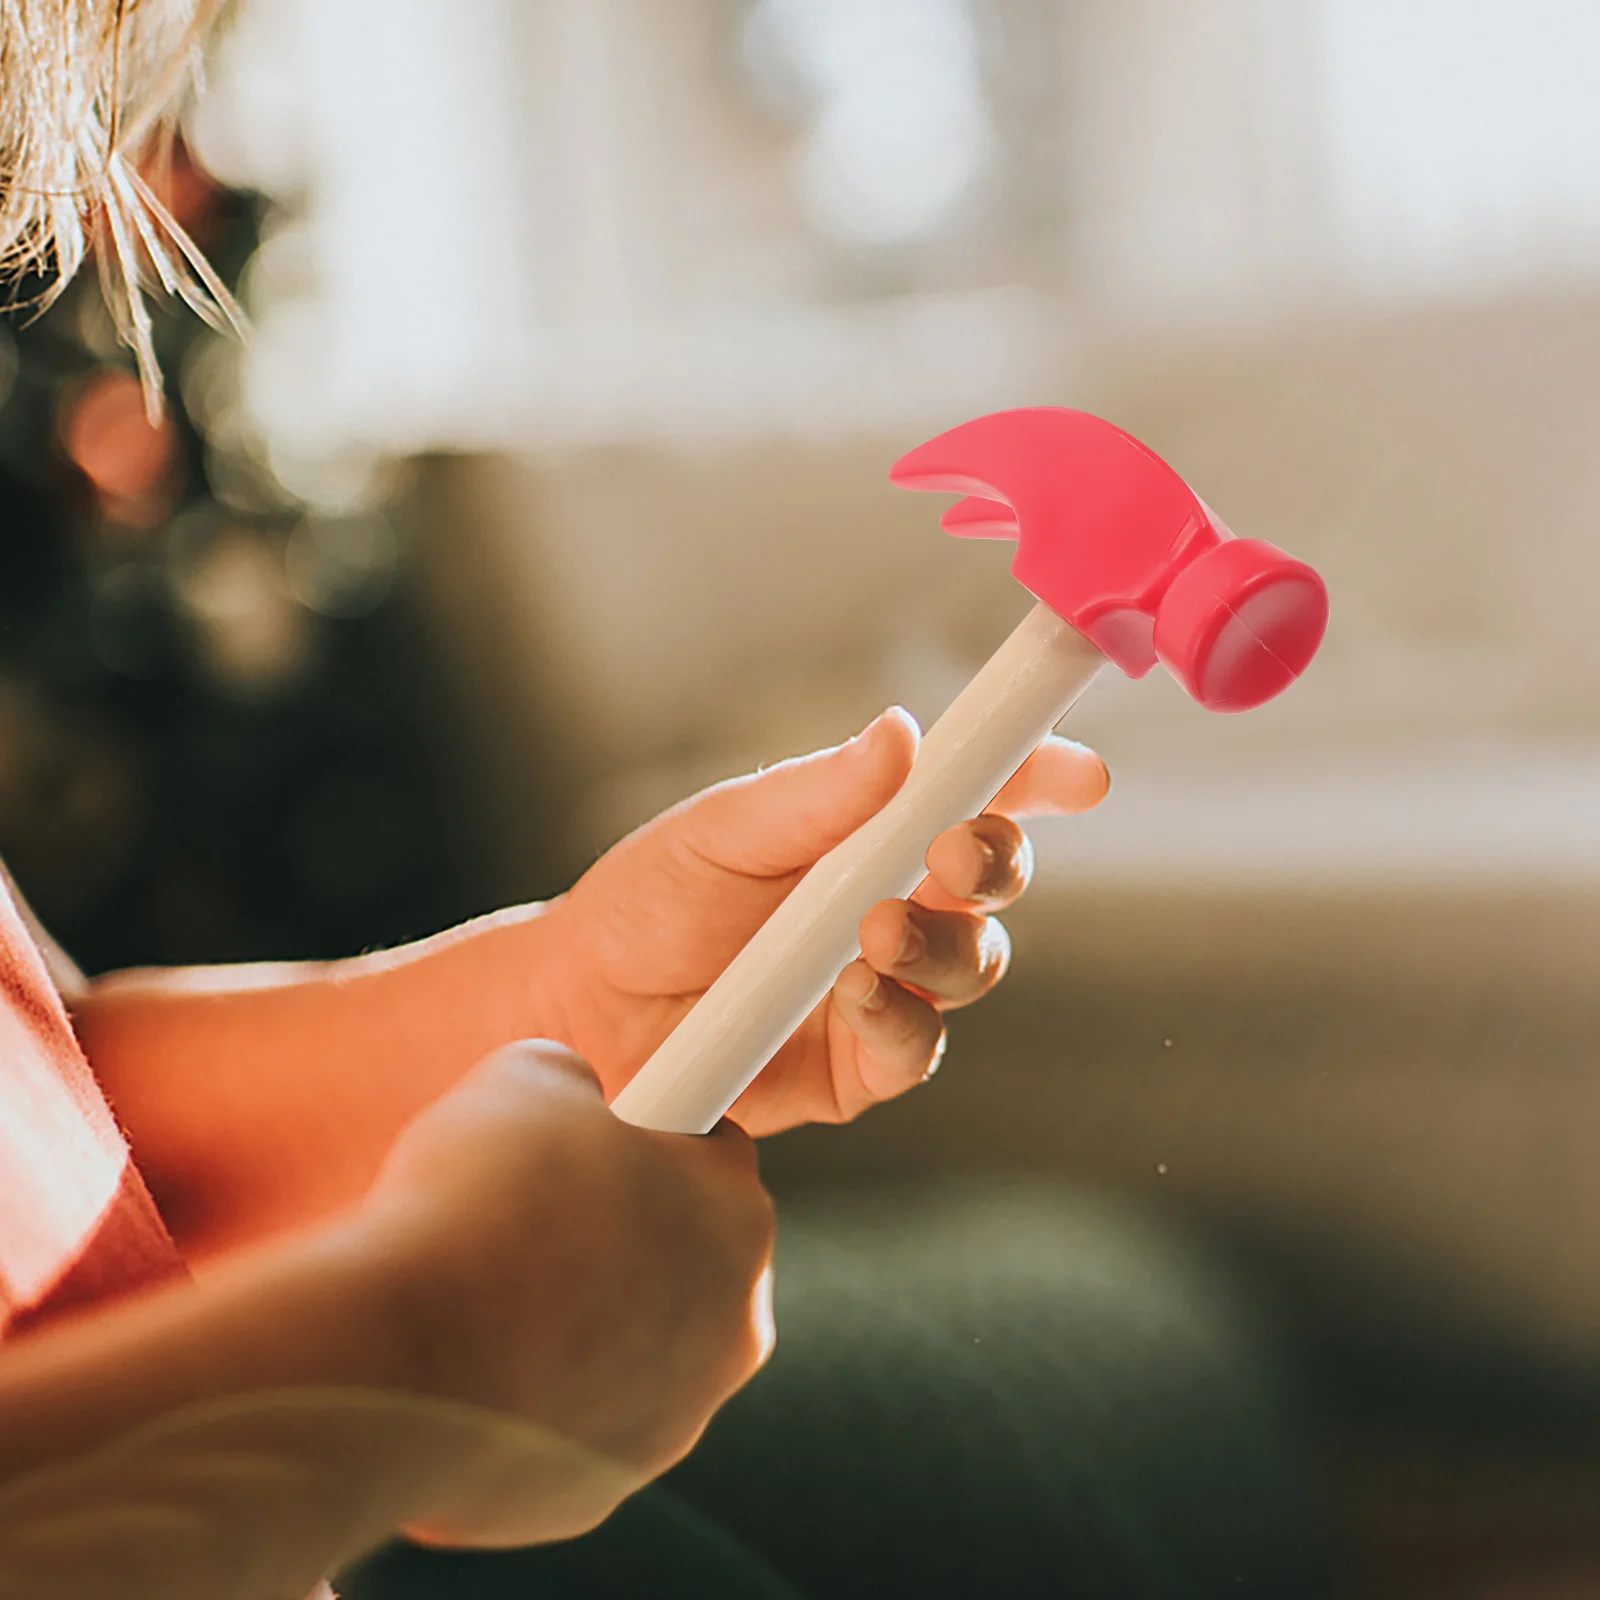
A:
[1129,566]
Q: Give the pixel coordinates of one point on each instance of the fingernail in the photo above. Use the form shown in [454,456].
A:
[913,944]
[875,999]
[894,713]
[1105,774]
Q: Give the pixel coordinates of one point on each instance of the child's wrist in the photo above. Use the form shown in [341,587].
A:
[516,958]
[474,987]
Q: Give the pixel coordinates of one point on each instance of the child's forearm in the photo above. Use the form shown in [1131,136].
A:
[317,1310]
[254,1430]
[258,1098]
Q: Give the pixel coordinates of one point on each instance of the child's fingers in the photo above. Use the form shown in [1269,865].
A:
[779,821]
[1061,777]
[896,1039]
[953,957]
[982,865]
[870,1040]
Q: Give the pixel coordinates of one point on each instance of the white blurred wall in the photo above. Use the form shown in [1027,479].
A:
[683,261]
[591,220]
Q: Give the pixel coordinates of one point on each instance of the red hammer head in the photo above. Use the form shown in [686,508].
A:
[1116,543]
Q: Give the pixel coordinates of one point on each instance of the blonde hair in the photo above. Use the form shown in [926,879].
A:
[87,88]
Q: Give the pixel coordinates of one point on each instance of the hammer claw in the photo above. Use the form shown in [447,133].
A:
[974,517]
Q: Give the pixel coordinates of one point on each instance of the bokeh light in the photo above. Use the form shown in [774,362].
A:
[253,636]
[341,566]
[899,130]
[129,460]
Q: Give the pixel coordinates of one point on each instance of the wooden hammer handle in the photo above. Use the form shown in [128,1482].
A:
[768,989]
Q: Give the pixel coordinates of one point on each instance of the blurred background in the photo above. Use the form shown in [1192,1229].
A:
[551,486]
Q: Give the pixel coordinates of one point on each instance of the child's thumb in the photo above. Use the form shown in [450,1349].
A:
[780,820]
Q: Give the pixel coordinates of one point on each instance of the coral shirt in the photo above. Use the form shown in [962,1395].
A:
[76,1222]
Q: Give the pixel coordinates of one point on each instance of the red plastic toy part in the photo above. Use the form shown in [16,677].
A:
[1116,543]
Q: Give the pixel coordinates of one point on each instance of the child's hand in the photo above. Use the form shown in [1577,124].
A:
[647,929]
[534,1310]
[265,1098]
[558,1265]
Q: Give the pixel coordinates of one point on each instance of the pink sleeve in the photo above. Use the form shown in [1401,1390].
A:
[76,1221]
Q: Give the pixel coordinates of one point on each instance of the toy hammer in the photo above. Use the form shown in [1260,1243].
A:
[1129,566]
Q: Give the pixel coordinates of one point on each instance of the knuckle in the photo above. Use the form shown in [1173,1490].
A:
[528,1083]
[541,1055]
[754,1228]
[882,928]
[767,1227]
